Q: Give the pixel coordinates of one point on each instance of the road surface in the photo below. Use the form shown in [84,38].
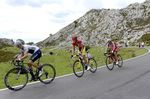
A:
[132,81]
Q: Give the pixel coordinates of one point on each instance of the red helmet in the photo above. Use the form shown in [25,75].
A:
[74,38]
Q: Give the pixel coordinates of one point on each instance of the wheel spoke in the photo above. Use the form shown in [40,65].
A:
[14,80]
[48,74]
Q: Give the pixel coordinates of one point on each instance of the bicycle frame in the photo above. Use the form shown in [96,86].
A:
[80,58]
[110,55]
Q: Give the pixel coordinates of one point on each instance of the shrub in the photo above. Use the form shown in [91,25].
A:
[145,38]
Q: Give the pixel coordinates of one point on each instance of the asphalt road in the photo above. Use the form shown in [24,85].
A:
[132,81]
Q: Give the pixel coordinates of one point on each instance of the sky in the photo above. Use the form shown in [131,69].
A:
[34,20]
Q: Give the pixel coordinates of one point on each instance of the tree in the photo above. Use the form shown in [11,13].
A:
[30,43]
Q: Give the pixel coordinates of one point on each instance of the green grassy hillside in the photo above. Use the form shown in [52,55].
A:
[60,58]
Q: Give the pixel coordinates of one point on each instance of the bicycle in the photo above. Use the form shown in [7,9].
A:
[111,60]
[79,65]
[17,77]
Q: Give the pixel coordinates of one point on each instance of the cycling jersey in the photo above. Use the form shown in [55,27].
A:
[79,44]
[112,46]
[34,50]
[29,48]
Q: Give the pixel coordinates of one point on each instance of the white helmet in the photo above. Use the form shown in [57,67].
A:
[19,42]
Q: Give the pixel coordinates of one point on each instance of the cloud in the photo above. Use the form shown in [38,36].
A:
[33,3]
[36,19]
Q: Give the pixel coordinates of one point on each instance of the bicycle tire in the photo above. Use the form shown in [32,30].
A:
[16,72]
[120,61]
[93,68]
[77,64]
[47,69]
[110,66]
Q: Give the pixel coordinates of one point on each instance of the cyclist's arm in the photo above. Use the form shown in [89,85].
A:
[16,56]
[107,48]
[24,55]
[113,47]
[73,51]
[19,55]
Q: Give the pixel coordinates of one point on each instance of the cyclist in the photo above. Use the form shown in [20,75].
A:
[25,50]
[82,50]
[113,48]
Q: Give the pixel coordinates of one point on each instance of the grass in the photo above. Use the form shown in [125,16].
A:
[62,62]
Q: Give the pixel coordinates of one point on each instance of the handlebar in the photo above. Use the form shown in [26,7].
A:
[17,62]
[107,54]
[76,55]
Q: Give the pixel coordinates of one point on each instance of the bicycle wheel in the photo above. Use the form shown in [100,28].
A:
[48,74]
[110,63]
[93,65]
[78,68]
[16,79]
[120,61]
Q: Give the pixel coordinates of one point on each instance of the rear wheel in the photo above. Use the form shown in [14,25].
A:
[120,61]
[48,74]
[93,65]
[16,79]
[78,68]
[110,63]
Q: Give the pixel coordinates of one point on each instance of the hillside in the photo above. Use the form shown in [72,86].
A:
[97,25]
[5,42]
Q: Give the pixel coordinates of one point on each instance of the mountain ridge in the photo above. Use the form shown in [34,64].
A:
[97,25]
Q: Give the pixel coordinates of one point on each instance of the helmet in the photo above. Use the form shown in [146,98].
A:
[19,42]
[109,40]
[74,38]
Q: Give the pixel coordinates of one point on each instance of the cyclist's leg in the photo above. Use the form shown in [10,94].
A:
[84,55]
[33,58]
[30,63]
[85,58]
[115,57]
[110,55]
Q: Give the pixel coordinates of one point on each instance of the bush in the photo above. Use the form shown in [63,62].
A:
[145,38]
[3,45]
[6,56]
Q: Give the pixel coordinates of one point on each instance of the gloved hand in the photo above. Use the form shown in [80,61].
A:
[18,60]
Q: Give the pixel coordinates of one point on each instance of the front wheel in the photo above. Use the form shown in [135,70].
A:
[93,65]
[120,61]
[48,73]
[110,63]
[78,68]
[16,79]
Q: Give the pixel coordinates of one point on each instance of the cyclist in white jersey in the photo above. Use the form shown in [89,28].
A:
[25,50]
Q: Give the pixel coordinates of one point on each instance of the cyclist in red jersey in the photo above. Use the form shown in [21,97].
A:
[113,48]
[82,49]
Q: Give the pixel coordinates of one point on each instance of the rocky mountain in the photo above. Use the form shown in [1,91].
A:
[97,25]
[6,42]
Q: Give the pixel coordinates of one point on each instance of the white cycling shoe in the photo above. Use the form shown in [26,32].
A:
[117,62]
[88,68]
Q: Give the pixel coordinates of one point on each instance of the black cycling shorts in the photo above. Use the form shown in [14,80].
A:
[36,55]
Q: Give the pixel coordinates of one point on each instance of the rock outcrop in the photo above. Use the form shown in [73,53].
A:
[97,25]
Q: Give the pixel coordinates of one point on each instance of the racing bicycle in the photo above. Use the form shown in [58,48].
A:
[18,77]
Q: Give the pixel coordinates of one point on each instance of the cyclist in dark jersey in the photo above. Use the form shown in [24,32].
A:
[25,50]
